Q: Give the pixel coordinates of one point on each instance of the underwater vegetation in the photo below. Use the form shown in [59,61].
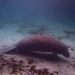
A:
[69,33]
[15,67]
[31,28]
[41,29]
[12,66]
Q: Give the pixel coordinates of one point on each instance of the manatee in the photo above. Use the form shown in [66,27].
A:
[41,43]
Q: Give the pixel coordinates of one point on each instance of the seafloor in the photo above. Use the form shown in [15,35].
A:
[14,29]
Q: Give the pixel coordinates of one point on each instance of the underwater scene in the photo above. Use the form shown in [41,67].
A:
[37,37]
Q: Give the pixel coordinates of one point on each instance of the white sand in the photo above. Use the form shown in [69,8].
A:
[9,35]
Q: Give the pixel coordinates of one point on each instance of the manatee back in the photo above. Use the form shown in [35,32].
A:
[43,43]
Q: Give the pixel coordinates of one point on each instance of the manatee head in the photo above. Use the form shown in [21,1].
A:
[66,52]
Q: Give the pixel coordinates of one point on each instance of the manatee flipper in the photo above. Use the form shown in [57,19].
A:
[7,49]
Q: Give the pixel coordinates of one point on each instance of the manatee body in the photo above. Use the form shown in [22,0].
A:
[39,42]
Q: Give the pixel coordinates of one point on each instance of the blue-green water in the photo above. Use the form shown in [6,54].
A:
[20,18]
[57,11]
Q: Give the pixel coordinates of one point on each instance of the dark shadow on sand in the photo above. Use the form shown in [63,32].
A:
[45,56]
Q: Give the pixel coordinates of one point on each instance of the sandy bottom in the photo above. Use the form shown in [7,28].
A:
[36,64]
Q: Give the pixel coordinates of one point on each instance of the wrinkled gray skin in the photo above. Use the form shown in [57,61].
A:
[39,42]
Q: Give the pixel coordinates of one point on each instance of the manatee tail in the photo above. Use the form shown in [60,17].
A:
[7,49]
